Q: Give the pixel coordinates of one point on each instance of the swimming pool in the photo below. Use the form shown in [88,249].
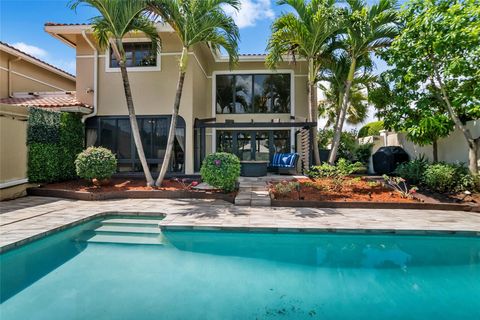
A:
[120,268]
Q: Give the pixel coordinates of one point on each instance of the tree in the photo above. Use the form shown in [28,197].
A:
[118,18]
[308,34]
[417,113]
[332,78]
[195,22]
[367,30]
[439,49]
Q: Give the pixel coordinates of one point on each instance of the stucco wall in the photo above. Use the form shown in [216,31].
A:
[13,148]
[20,82]
[452,149]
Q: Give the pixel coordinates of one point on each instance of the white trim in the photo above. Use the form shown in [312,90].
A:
[36,62]
[90,56]
[95,79]
[133,69]
[33,79]
[13,183]
[262,71]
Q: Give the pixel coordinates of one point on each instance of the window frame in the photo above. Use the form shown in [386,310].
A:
[253,73]
[133,69]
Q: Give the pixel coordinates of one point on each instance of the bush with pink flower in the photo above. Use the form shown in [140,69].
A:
[221,170]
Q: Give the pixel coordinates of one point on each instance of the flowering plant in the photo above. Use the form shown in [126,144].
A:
[186,185]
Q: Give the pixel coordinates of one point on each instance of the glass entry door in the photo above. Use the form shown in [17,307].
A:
[253,144]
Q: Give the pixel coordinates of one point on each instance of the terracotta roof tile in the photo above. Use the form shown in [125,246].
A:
[41,61]
[54,24]
[45,101]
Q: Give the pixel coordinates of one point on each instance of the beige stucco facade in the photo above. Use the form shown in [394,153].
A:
[22,73]
[154,91]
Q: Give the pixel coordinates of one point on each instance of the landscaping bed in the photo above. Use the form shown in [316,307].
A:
[127,188]
[355,192]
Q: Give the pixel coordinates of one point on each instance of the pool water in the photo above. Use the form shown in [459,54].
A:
[127,269]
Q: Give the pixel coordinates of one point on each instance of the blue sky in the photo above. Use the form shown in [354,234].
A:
[21,25]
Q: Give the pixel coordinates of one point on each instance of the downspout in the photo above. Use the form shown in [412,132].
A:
[95,78]
[10,92]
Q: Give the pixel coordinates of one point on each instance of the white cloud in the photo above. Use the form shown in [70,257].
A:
[31,50]
[251,11]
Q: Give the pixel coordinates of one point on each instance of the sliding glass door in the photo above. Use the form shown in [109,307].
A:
[253,144]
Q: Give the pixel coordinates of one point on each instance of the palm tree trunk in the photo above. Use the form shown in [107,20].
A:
[343,113]
[134,124]
[173,124]
[313,118]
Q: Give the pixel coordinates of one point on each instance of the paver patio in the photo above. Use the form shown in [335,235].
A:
[25,219]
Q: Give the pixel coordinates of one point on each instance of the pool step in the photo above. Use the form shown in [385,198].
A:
[131,222]
[125,231]
[123,239]
[128,229]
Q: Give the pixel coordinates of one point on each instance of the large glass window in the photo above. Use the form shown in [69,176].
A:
[138,54]
[115,134]
[252,144]
[253,93]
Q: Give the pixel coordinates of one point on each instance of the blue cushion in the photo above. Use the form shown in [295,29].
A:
[284,160]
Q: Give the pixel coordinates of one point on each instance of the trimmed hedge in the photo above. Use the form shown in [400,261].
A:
[371,129]
[54,139]
[221,170]
[96,163]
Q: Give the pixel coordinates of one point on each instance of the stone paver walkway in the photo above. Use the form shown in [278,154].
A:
[25,219]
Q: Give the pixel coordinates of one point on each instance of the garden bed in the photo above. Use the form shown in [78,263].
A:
[359,192]
[126,188]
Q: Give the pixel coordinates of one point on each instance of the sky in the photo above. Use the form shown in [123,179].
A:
[22,23]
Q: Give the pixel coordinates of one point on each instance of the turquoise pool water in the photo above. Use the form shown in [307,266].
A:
[83,274]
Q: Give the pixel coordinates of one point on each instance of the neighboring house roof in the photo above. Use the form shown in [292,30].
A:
[14,51]
[62,100]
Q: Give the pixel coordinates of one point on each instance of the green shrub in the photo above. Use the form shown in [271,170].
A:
[444,177]
[371,129]
[54,139]
[96,163]
[221,170]
[412,171]
[362,152]
[71,143]
[286,187]
[42,162]
[342,168]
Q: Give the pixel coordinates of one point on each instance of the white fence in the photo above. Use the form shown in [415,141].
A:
[452,149]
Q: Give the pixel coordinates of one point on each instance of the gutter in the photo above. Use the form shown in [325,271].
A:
[10,91]
[95,77]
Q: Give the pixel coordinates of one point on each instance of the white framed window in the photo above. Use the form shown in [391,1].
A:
[139,56]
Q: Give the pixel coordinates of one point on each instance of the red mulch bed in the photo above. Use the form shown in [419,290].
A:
[353,190]
[114,185]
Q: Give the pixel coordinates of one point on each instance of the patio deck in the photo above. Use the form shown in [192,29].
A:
[26,219]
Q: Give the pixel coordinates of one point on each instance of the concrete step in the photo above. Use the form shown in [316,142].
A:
[131,222]
[122,239]
[144,229]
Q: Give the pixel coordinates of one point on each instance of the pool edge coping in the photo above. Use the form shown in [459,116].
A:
[232,228]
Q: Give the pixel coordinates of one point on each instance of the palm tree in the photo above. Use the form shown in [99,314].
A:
[118,18]
[308,34]
[332,79]
[195,22]
[367,29]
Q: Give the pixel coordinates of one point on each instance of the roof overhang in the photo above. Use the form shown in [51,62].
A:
[35,61]
[67,32]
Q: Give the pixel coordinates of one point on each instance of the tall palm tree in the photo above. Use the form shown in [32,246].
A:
[367,29]
[307,33]
[195,22]
[118,18]
[356,111]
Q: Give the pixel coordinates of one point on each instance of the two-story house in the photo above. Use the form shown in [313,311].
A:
[251,111]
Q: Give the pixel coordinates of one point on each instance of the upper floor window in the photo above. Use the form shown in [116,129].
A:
[138,54]
[253,93]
